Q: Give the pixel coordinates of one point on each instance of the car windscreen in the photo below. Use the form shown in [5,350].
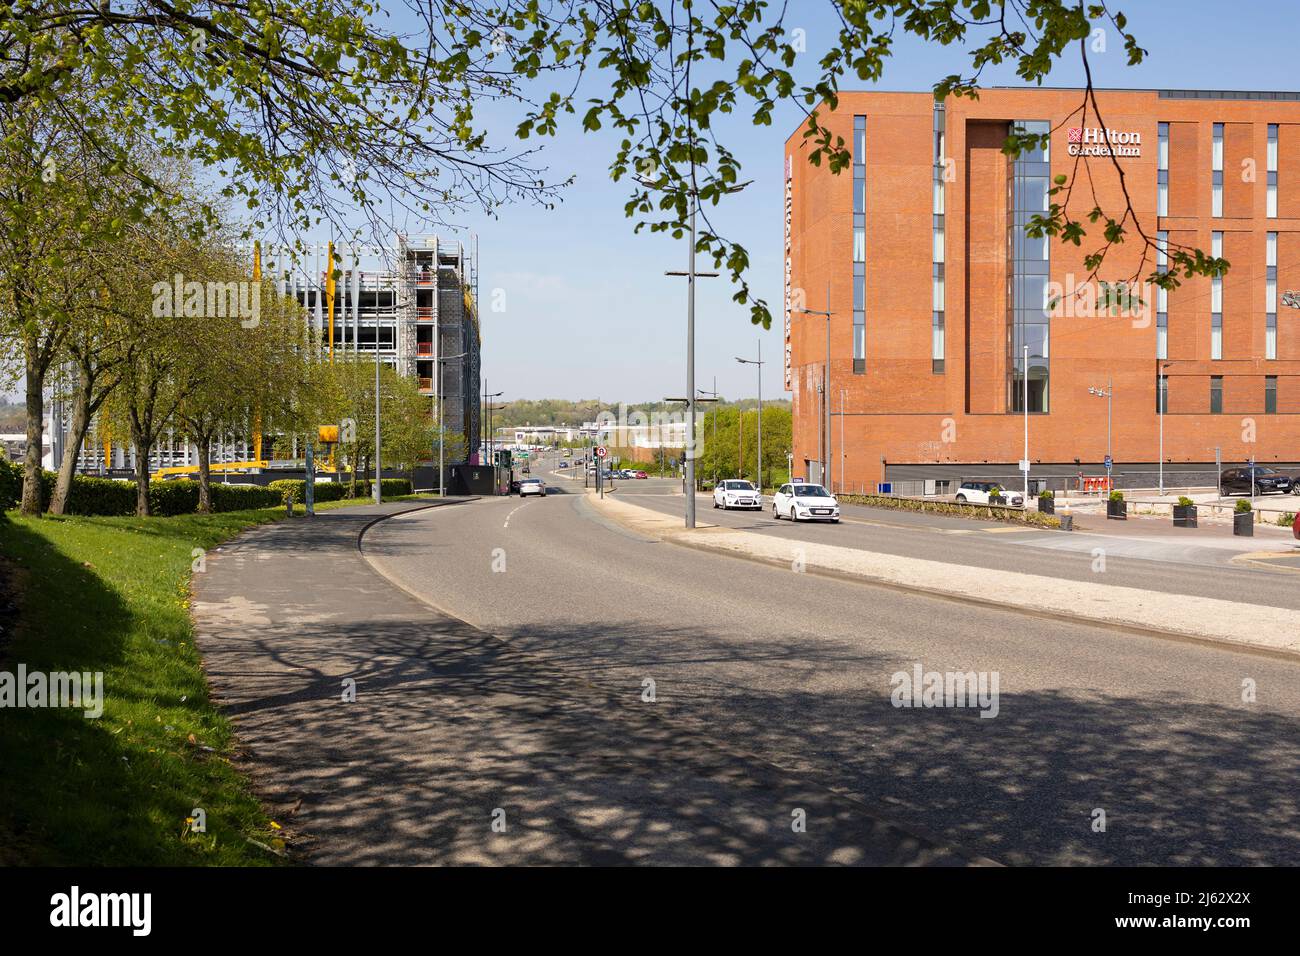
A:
[810,491]
[737,486]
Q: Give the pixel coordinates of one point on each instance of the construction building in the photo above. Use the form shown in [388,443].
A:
[411,305]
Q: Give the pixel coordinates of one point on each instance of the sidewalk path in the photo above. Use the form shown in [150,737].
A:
[451,724]
[1221,621]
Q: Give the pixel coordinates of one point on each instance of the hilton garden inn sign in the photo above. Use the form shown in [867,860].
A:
[1095,141]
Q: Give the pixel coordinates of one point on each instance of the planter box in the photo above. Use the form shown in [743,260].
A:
[1184,516]
[1117,510]
[997,499]
[1243,523]
[1047,506]
[1067,522]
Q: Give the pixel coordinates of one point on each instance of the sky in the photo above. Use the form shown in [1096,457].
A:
[586,310]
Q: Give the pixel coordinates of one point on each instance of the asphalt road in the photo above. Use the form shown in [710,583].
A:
[796,669]
[1198,562]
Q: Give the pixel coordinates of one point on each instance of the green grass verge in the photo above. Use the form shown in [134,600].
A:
[112,595]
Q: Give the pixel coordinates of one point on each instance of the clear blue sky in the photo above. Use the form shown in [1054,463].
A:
[588,309]
[589,312]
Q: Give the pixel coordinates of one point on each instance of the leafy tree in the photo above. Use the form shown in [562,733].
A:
[668,70]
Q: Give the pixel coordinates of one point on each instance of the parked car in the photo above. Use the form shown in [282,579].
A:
[979,493]
[801,501]
[639,474]
[564,464]
[1258,480]
[532,486]
[736,493]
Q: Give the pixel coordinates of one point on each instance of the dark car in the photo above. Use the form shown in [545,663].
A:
[1258,480]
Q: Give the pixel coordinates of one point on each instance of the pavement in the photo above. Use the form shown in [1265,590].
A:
[460,747]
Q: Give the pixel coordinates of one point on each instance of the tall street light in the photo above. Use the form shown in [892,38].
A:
[691,275]
[759,363]
[446,358]
[824,427]
[691,399]
[1163,398]
[1107,393]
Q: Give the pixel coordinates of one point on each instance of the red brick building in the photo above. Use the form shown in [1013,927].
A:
[935,291]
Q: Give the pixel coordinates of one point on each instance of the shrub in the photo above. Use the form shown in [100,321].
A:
[243,497]
[1185,502]
[1286,519]
[1242,506]
[294,489]
[11,485]
[954,508]
[1117,495]
[391,487]
[1046,493]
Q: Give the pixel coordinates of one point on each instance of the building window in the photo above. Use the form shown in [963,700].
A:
[1216,394]
[1270,395]
[1216,301]
[1162,297]
[1216,172]
[937,325]
[1028,183]
[1270,296]
[1271,210]
[1162,170]
[859,244]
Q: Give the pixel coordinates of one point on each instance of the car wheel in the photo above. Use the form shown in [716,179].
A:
[1223,492]
[961,499]
[776,515]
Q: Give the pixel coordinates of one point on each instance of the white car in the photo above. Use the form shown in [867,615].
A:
[800,501]
[735,493]
[532,486]
[979,492]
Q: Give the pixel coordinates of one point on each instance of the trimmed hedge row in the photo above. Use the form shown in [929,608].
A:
[991,512]
[294,489]
[109,497]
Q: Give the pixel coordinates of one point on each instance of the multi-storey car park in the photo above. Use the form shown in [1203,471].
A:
[413,305]
[935,291]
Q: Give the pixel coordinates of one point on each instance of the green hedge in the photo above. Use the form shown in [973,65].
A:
[109,497]
[294,489]
[994,512]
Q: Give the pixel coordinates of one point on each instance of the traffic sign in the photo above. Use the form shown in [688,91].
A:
[1024,464]
[1108,462]
[601,451]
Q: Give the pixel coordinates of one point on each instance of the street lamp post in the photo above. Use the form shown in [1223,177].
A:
[759,363]
[438,395]
[824,427]
[1164,400]
[1025,399]
[1107,393]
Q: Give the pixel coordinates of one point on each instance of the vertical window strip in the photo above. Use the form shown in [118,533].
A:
[937,325]
[1216,394]
[1028,268]
[1162,170]
[1271,201]
[1216,173]
[1270,395]
[859,244]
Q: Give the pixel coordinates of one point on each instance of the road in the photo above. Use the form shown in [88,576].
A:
[796,670]
[1137,554]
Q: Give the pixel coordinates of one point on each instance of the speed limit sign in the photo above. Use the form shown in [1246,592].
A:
[601,451]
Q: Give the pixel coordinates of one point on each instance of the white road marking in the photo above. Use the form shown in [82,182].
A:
[511,515]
